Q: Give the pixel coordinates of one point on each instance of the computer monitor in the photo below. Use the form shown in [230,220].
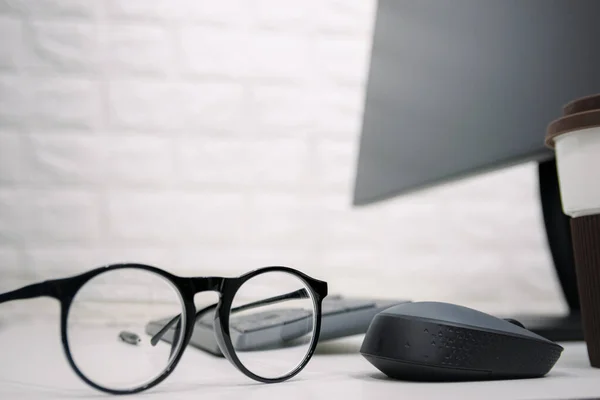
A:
[462,87]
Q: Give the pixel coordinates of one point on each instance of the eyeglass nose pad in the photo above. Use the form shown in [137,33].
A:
[176,338]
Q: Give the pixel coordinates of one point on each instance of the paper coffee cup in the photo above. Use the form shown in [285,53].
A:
[575,137]
[576,140]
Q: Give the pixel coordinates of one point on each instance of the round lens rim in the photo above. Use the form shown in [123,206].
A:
[221,323]
[186,332]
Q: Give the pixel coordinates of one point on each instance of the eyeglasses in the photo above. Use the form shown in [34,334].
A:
[105,315]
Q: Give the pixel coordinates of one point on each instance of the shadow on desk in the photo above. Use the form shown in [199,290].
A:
[378,376]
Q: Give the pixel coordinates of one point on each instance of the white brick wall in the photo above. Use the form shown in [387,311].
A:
[219,136]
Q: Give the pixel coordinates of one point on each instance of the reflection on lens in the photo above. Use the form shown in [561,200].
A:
[106,328]
[272,324]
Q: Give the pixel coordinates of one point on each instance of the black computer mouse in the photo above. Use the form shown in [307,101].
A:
[432,341]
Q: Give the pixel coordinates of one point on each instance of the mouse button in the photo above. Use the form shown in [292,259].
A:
[460,316]
[445,312]
[515,322]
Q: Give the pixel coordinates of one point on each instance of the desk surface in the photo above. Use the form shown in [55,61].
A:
[34,367]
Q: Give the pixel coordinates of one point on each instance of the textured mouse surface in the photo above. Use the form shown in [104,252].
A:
[458,315]
[433,341]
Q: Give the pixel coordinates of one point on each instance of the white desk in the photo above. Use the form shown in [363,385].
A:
[34,367]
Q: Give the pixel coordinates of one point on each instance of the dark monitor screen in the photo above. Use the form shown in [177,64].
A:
[465,86]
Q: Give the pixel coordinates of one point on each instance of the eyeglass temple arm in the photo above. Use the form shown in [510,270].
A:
[298,294]
[28,292]
[158,335]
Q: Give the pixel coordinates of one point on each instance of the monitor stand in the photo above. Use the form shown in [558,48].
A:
[558,231]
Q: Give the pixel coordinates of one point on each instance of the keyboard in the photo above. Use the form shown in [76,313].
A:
[341,317]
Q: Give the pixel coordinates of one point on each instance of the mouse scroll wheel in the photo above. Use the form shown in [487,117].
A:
[515,322]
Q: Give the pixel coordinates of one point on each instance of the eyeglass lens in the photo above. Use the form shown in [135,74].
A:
[272,324]
[106,328]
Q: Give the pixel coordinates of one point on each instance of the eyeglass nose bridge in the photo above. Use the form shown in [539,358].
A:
[206,284]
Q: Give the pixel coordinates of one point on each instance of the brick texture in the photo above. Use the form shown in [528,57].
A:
[135,48]
[57,45]
[215,137]
[66,9]
[49,102]
[11,51]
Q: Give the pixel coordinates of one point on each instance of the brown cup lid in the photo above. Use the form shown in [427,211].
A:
[578,114]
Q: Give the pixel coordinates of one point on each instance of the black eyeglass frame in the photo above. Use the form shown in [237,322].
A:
[65,289]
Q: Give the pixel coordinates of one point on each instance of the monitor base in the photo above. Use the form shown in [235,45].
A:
[556,328]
